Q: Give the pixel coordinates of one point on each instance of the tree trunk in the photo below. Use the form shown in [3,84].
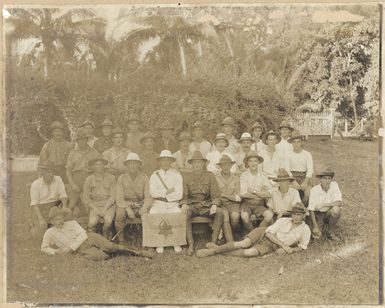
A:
[352,100]
[182,58]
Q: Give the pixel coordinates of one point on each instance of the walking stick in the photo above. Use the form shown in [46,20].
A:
[117,233]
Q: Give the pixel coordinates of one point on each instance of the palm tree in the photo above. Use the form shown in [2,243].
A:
[56,31]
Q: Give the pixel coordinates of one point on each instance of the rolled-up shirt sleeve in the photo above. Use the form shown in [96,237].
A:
[305,238]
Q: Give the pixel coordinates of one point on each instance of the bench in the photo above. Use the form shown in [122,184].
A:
[195,220]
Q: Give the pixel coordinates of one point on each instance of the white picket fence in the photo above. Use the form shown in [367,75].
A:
[314,123]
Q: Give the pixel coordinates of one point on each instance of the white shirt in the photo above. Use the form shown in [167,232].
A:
[302,161]
[181,160]
[284,146]
[213,157]
[258,146]
[71,234]
[256,182]
[204,147]
[271,164]
[233,146]
[42,193]
[300,235]
[319,196]
[282,203]
[173,179]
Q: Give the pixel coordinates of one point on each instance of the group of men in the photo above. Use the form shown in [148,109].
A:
[259,186]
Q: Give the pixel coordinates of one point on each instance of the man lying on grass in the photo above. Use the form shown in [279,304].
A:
[288,234]
[68,236]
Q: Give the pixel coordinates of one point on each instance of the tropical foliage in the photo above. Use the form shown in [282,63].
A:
[186,64]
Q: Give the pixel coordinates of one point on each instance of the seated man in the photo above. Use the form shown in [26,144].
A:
[148,154]
[300,164]
[220,147]
[132,194]
[283,197]
[183,154]
[254,191]
[116,154]
[288,234]
[325,205]
[78,169]
[68,236]
[99,196]
[55,151]
[201,198]
[166,188]
[46,192]
[104,143]
[230,200]
[199,143]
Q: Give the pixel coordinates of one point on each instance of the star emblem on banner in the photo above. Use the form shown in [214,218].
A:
[165,229]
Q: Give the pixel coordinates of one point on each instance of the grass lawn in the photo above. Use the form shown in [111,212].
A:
[344,272]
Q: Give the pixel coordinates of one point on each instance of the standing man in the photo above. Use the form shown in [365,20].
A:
[283,197]
[46,192]
[148,154]
[325,205]
[254,191]
[300,163]
[132,194]
[201,197]
[167,138]
[183,154]
[199,143]
[273,159]
[99,196]
[103,143]
[257,132]
[285,131]
[246,142]
[220,147]
[230,196]
[134,134]
[78,169]
[166,188]
[55,151]
[117,154]
[288,234]
[89,127]
[229,128]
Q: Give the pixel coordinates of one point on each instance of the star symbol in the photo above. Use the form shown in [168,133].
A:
[165,228]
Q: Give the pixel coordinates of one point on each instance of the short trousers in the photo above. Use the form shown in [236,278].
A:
[260,242]
[231,207]
[255,207]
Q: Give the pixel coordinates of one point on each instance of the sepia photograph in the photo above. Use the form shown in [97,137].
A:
[192,154]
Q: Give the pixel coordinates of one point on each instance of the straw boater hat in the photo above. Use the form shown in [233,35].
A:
[294,137]
[132,157]
[271,133]
[88,122]
[282,176]
[221,136]
[285,124]
[246,137]
[146,136]
[255,125]
[134,118]
[198,124]
[81,134]
[55,212]
[197,155]
[228,121]
[95,160]
[325,172]
[165,154]
[184,136]
[166,125]
[252,154]
[298,208]
[56,125]
[107,122]
[224,160]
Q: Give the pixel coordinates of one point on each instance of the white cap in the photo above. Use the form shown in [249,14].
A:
[246,136]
